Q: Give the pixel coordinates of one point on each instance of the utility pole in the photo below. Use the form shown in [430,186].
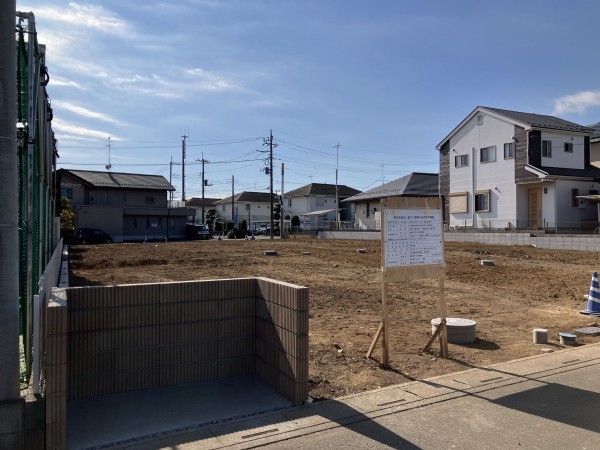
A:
[337,194]
[281,222]
[184,137]
[271,179]
[109,165]
[232,200]
[9,261]
[204,183]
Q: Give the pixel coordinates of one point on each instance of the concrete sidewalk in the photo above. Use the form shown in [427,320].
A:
[547,401]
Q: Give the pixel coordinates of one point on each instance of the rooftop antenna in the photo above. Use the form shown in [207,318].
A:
[109,165]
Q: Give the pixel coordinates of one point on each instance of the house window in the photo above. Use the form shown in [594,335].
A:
[459,202]
[66,193]
[488,154]
[123,197]
[320,201]
[461,160]
[134,222]
[574,199]
[149,199]
[547,149]
[568,147]
[147,222]
[509,150]
[593,192]
[223,207]
[368,209]
[482,201]
[248,206]
[92,197]
[289,202]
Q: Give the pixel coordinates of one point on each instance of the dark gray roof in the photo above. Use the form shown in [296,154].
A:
[589,172]
[197,201]
[120,180]
[250,197]
[415,184]
[596,134]
[322,189]
[540,120]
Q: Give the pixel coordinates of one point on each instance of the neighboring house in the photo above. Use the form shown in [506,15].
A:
[315,204]
[501,168]
[196,204]
[595,145]
[130,207]
[253,207]
[366,204]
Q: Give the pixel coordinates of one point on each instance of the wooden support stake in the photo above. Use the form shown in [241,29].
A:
[375,339]
[441,326]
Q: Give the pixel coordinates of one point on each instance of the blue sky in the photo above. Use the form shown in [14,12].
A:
[387,80]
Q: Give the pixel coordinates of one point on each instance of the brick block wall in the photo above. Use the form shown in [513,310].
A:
[109,339]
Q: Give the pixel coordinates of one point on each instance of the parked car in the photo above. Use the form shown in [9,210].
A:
[92,236]
[263,229]
[197,231]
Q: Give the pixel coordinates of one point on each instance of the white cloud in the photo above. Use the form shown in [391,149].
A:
[62,127]
[84,112]
[577,103]
[84,16]
[65,83]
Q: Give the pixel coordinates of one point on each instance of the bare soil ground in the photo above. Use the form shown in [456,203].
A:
[527,288]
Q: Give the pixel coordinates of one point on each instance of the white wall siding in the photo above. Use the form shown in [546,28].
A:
[568,214]
[560,158]
[548,203]
[498,176]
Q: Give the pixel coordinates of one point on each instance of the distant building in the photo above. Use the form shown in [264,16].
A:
[196,204]
[366,204]
[595,145]
[252,207]
[130,207]
[315,204]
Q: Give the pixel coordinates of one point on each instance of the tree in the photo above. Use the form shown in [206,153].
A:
[277,211]
[295,222]
[67,220]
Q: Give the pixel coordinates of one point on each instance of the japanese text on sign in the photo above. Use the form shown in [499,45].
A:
[412,237]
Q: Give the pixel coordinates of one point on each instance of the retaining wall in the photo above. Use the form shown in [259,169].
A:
[109,339]
[589,242]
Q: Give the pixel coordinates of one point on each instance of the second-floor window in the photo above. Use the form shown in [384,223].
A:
[568,147]
[509,150]
[67,193]
[488,154]
[149,199]
[547,149]
[461,160]
[92,197]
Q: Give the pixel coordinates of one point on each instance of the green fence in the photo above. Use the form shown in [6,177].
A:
[35,174]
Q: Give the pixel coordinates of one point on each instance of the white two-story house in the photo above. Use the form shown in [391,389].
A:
[509,169]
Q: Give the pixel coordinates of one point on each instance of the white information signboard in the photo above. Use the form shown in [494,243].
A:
[412,237]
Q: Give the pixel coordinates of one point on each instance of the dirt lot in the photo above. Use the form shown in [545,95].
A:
[527,288]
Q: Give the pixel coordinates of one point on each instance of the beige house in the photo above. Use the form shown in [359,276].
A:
[130,207]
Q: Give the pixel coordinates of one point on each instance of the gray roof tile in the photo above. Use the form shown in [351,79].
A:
[540,120]
[120,180]
[415,184]
[322,189]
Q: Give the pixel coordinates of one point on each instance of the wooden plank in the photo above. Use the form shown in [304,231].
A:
[375,339]
[408,273]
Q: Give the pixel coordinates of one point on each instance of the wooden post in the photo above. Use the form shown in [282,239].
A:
[385,351]
[444,333]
